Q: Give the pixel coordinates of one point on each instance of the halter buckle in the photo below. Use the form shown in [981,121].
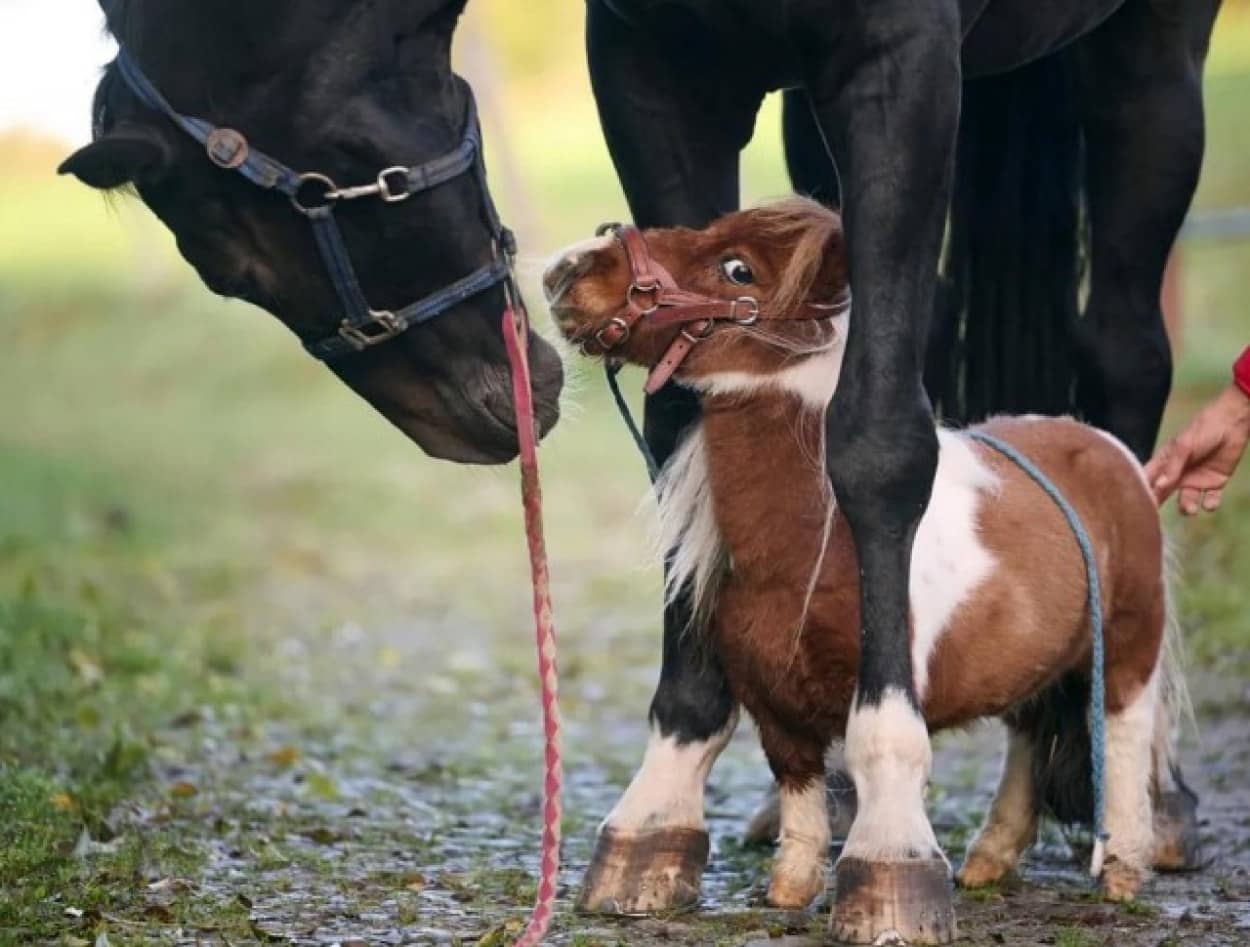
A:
[390,194]
[604,230]
[753,314]
[709,326]
[643,289]
[381,327]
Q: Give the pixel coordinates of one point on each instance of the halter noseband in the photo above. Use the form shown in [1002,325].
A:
[653,294]
[314,195]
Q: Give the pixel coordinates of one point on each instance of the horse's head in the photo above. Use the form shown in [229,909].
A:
[346,90]
[751,293]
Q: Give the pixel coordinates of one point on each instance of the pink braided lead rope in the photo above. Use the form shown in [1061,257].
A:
[515,328]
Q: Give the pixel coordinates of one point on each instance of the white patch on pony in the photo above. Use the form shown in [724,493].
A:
[888,755]
[686,532]
[1011,825]
[1130,746]
[667,790]
[800,866]
[948,560]
[812,377]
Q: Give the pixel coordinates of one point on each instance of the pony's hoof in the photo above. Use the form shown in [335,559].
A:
[979,870]
[645,872]
[792,889]
[903,902]
[1178,846]
[1121,881]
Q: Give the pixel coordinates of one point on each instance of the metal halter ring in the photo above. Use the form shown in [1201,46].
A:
[328,196]
[609,228]
[620,324]
[386,192]
[637,289]
[754,308]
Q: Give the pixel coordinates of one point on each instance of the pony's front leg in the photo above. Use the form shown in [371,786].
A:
[886,91]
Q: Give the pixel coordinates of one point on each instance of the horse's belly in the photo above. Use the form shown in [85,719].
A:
[1010,33]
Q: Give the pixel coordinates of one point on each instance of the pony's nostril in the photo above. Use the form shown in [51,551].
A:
[561,273]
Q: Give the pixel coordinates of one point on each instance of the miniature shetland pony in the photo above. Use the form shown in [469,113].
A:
[752,313]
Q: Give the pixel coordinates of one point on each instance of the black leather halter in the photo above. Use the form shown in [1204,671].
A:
[315,195]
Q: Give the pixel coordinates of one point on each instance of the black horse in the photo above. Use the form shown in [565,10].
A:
[1081,127]
[1045,134]
[347,90]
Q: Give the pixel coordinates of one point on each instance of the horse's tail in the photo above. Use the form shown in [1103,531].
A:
[1058,723]
[1002,336]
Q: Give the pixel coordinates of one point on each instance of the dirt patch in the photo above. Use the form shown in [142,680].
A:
[404,810]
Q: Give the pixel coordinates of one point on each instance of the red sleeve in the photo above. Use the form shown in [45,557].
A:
[1241,372]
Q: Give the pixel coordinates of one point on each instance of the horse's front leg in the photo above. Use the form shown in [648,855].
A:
[886,91]
[675,122]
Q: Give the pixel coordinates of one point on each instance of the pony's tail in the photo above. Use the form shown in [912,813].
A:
[1002,338]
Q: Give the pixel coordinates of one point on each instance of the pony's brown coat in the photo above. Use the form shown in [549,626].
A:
[1008,641]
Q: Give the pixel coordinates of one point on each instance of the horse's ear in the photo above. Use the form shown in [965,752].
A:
[122,156]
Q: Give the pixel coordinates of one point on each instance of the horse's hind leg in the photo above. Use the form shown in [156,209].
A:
[1011,825]
[1142,116]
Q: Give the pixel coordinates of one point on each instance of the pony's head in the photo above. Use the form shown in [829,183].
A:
[771,280]
[346,90]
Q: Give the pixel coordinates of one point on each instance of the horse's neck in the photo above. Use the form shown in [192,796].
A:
[770,492]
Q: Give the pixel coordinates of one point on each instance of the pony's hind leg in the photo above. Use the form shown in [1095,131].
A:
[1011,825]
[1130,827]
[800,868]
[1177,844]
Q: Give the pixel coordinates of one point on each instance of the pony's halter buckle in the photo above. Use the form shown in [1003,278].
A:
[654,294]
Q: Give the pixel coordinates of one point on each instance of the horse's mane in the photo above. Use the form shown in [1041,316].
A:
[809,229]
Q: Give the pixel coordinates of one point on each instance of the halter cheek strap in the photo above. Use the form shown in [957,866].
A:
[654,295]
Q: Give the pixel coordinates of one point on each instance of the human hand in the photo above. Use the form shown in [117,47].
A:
[1200,459]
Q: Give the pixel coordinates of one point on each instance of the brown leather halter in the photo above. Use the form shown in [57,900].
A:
[654,294]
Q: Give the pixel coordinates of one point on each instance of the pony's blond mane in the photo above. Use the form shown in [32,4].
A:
[808,229]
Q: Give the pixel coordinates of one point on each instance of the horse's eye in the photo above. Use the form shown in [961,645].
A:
[737,272]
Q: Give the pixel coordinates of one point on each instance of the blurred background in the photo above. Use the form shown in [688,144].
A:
[224,578]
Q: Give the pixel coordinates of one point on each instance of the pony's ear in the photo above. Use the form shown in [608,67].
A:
[832,276]
[122,156]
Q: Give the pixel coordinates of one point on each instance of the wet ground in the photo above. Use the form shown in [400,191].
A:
[401,807]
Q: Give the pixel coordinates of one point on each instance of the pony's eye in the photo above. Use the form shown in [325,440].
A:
[737,272]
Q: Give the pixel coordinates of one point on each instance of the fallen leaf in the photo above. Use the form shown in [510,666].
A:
[322,786]
[183,790]
[85,666]
[285,757]
[63,802]
[178,885]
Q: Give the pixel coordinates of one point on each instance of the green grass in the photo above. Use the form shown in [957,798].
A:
[180,489]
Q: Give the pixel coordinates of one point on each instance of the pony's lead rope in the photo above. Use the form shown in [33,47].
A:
[514,333]
[1097,685]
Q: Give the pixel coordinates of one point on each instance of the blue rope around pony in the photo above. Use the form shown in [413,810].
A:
[1097,685]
